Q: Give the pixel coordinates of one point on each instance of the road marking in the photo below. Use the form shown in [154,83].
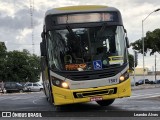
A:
[34,101]
[22,98]
[143,96]
[4,98]
[137,97]
[148,96]
[151,94]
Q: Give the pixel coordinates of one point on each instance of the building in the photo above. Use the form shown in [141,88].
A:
[139,71]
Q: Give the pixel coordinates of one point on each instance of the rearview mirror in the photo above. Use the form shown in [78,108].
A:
[42,35]
[125,30]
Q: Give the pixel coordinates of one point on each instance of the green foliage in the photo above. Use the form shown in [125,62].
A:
[2,59]
[21,67]
[131,62]
[151,43]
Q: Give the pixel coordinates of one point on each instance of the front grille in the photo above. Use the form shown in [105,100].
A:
[91,75]
[93,93]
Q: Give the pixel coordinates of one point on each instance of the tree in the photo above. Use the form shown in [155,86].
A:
[151,43]
[22,67]
[2,59]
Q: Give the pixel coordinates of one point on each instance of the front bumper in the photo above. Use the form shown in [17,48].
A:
[66,96]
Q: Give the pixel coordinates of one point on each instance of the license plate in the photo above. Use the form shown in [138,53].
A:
[96,98]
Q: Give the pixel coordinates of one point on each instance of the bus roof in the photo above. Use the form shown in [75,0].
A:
[79,9]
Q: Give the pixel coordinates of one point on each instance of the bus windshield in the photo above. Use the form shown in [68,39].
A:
[83,49]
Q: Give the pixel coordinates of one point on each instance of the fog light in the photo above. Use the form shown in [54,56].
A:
[57,82]
[65,85]
[121,78]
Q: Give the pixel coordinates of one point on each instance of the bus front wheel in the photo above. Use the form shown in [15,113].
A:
[105,102]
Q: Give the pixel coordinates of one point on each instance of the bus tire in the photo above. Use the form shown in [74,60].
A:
[50,98]
[105,102]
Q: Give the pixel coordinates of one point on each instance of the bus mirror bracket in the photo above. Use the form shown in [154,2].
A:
[43,45]
[127,42]
[42,63]
[43,49]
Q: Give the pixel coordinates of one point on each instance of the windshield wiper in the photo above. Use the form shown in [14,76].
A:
[101,30]
[71,33]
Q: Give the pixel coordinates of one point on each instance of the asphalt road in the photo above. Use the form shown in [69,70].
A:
[141,100]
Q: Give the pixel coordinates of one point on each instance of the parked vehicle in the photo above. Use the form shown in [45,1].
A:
[13,87]
[140,82]
[157,82]
[33,87]
[2,86]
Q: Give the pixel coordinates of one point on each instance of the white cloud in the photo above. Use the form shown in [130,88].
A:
[9,11]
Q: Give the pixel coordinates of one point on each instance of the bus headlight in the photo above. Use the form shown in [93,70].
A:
[121,78]
[65,85]
[124,77]
[59,83]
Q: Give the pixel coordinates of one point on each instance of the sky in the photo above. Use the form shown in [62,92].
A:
[17,33]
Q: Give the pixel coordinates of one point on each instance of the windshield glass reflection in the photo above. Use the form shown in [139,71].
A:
[83,49]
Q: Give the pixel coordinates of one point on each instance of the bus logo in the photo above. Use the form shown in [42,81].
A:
[97,64]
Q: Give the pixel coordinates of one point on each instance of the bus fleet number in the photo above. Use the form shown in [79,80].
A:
[112,80]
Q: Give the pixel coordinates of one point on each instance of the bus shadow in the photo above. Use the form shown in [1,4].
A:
[86,107]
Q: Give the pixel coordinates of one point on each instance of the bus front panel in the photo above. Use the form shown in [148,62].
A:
[66,96]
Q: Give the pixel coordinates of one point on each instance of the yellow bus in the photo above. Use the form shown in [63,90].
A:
[84,55]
